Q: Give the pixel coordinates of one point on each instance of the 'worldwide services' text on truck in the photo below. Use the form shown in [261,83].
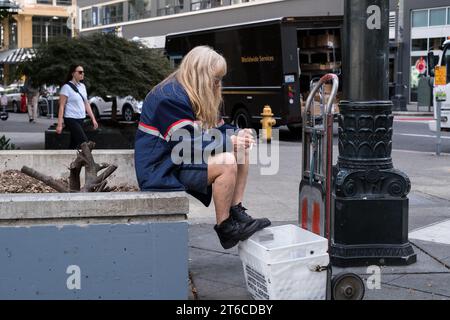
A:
[270,62]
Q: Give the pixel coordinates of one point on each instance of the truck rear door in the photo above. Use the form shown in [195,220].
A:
[291,110]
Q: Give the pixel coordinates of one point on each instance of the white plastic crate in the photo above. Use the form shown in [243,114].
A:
[284,243]
[281,263]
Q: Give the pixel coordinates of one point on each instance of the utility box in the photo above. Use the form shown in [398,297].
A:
[425,92]
[285,263]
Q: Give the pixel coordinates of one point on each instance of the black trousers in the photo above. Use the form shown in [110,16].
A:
[77,134]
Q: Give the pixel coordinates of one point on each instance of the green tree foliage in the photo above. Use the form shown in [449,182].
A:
[114,66]
[5,144]
[3,14]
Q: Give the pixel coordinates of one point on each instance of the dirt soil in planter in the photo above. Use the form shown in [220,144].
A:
[14,181]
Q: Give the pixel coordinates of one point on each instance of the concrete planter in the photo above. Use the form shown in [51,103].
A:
[55,163]
[92,245]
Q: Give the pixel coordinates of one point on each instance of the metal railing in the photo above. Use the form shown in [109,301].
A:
[139,15]
[205,4]
[63,2]
[170,10]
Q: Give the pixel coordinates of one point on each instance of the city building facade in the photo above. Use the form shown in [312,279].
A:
[151,20]
[426,23]
[32,23]
[426,26]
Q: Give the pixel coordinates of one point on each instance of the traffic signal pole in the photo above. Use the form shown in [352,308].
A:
[370,204]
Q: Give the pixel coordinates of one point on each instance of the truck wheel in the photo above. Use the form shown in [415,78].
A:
[295,130]
[128,113]
[15,107]
[241,119]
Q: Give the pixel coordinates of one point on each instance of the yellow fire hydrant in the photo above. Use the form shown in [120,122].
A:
[267,123]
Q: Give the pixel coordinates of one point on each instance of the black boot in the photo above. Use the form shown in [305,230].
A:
[230,232]
[238,213]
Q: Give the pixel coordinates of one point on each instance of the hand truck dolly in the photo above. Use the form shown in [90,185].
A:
[315,193]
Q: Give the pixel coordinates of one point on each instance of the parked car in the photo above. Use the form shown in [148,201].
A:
[15,97]
[128,108]
[45,105]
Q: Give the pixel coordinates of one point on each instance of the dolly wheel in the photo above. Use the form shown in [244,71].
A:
[347,286]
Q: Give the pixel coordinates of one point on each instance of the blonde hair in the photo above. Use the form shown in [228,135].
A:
[200,73]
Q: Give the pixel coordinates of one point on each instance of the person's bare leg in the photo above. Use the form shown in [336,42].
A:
[241,178]
[222,170]
[35,107]
[30,110]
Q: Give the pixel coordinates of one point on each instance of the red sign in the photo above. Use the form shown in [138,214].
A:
[421,65]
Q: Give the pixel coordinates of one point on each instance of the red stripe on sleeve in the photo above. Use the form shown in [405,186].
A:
[176,123]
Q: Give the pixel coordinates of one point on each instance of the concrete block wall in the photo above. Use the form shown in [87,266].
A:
[94,246]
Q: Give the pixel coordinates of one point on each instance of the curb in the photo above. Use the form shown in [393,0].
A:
[413,114]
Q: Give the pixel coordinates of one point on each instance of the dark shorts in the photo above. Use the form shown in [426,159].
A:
[195,178]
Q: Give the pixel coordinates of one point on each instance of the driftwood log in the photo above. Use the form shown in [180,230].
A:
[94,182]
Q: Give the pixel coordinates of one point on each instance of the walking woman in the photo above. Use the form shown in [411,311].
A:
[186,105]
[73,105]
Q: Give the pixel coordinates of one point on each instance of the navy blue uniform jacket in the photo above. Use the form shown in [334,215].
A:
[167,109]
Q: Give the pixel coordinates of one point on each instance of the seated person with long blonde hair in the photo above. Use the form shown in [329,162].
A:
[186,104]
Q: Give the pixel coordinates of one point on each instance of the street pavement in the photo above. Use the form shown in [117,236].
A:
[218,274]
[26,135]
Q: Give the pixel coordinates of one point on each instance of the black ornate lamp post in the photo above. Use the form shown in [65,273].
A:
[399,100]
[370,196]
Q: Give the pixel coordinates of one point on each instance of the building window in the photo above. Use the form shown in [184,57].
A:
[86,18]
[64,2]
[168,7]
[13,34]
[205,4]
[438,17]
[44,1]
[448,16]
[239,1]
[112,13]
[420,18]
[436,43]
[415,76]
[2,36]
[419,45]
[95,16]
[139,9]
[46,28]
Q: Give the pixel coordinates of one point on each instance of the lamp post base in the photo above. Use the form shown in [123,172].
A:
[367,255]
[371,232]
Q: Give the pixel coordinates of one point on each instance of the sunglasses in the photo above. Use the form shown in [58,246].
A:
[80,72]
